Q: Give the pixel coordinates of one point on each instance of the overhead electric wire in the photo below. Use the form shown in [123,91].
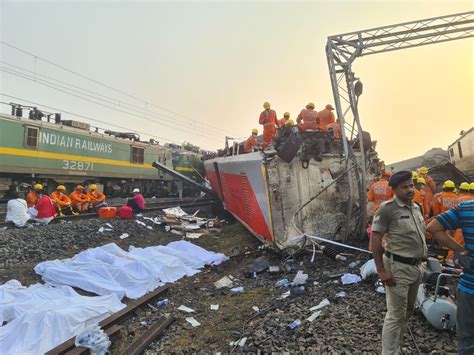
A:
[98,82]
[55,87]
[21,75]
[88,118]
[108,99]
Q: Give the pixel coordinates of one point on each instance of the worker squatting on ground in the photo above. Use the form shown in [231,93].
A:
[137,202]
[325,117]
[79,200]
[400,222]
[251,142]
[268,118]
[32,198]
[282,121]
[44,207]
[460,217]
[97,198]
[306,120]
[17,211]
[61,201]
[379,192]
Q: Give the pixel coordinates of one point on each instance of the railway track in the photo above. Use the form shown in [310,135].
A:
[114,324]
[188,202]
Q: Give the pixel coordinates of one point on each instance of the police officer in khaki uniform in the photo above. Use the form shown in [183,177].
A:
[400,222]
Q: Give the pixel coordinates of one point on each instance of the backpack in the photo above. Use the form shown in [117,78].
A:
[125,212]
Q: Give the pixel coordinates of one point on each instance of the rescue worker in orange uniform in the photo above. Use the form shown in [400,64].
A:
[430,187]
[379,192]
[307,119]
[464,194]
[251,142]
[97,198]
[420,197]
[290,123]
[32,197]
[268,118]
[335,127]
[444,200]
[79,199]
[282,121]
[61,201]
[325,117]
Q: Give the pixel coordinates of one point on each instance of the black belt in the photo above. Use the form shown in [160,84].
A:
[402,259]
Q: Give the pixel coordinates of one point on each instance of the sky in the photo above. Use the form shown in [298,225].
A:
[198,71]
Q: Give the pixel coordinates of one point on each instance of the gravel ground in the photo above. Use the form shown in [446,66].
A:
[347,325]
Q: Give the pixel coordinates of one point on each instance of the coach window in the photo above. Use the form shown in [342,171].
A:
[138,155]
[460,150]
[31,137]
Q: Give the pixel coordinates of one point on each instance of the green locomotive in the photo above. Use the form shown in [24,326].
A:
[69,152]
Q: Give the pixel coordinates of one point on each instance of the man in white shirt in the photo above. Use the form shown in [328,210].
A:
[17,211]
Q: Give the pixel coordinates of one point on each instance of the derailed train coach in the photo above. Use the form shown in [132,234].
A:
[69,152]
[279,197]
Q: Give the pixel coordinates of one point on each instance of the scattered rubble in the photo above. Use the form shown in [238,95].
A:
[259,314]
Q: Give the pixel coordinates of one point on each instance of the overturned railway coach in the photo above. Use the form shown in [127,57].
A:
[280,199]
[68,152]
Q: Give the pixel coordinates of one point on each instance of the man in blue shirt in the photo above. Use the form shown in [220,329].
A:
[460,216]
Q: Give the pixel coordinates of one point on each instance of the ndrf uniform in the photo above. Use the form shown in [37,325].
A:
[403,229]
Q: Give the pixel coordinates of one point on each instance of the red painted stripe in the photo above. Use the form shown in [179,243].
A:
[240,200]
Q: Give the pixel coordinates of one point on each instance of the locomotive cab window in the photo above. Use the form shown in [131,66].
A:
[31,137]
[138,155]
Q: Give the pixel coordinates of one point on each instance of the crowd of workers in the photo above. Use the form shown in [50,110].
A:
[406,212]
[38,207]
[431,203]
[308,120]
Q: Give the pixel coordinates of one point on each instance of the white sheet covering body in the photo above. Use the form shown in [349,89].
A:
[41,317]
[109,269]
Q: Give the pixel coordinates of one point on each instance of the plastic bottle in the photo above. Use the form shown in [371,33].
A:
[237,289]
[283,283]
[295,324]
[163,302]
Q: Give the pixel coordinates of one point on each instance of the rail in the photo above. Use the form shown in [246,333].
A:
[112,327]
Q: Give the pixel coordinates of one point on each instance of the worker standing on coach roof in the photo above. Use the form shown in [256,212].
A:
[251,142]
[282,121]
[325,117]
[80,201]
[97,198]
[137,202]
[400,222]
[335,127]
[307,118]
[32,198]
[268,118]
[460,216]
[61,200]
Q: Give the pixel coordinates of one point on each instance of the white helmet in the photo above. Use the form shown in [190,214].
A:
[136,190]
